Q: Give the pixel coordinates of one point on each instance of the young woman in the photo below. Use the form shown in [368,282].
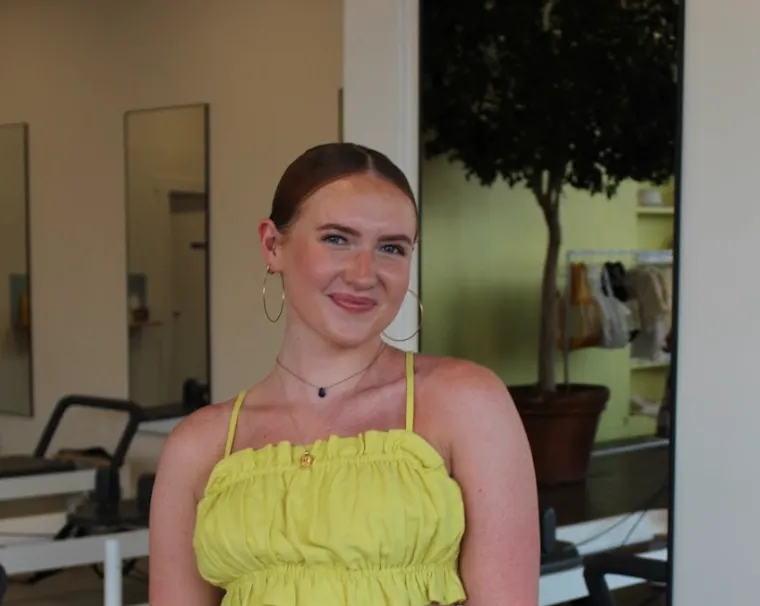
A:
[353,474]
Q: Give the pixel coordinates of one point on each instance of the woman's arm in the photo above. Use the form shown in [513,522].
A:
[174,577]
[491,459]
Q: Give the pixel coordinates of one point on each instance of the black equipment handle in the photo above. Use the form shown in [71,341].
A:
[3,582]
[597,566]
[135,416]
[548,529]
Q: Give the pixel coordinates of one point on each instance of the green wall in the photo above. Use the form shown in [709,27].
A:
[482,254]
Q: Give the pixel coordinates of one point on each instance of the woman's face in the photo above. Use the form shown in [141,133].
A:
[346,259]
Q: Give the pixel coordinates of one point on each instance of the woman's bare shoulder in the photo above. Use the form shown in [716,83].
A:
[203,424]
[458,388]
[197,443]
[455,373]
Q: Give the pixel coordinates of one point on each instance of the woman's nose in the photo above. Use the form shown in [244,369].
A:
[361,269]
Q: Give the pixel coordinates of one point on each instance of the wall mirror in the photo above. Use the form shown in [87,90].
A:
[15,315]
[167,260]
[549,207]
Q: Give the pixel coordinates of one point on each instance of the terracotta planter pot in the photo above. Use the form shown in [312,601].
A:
[561,428]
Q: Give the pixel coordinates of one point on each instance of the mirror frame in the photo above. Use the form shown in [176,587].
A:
[28,268]
[206,107]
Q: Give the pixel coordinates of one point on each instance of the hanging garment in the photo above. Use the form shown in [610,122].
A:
[621,291]
[617,279]
[579,316]
[664,276]
[647,346]
[615,313]
[650,288]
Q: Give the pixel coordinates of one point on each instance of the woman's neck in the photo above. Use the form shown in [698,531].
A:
[313,359]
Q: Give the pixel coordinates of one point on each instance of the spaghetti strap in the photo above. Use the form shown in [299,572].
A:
[409,391]
[233,423]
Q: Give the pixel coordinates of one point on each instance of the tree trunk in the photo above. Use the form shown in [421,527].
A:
[547,345]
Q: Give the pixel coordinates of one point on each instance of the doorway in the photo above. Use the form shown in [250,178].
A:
[189,339]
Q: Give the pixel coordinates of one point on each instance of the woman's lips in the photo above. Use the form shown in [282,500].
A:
[352,303]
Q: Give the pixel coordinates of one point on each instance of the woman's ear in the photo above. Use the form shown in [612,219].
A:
[270,239]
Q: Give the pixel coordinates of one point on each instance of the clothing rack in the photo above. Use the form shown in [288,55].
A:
[639,256]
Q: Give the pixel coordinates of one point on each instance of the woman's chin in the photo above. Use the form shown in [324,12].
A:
[348,337]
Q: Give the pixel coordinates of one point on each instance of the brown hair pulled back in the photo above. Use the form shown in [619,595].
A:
[323,164]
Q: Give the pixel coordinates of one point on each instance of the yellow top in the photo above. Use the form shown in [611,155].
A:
[373,519]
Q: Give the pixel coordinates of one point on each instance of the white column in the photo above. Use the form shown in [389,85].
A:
[112,574]
[717,488]
[380,102]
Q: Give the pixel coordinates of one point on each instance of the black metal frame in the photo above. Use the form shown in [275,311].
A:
[596,567]
[555,555]
[27,266]
[134,412]
[207,229]
[676,309]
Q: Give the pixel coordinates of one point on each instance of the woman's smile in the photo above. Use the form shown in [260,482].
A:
[353,304]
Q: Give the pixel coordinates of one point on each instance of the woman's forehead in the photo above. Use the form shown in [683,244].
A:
[360,198]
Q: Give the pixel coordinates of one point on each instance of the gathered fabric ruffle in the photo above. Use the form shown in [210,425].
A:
[303,586]
[396,444]
[375,519]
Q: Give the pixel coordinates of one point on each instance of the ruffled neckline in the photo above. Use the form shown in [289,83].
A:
[284,455]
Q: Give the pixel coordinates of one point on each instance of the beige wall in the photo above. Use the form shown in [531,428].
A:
[14,343]
[270,71]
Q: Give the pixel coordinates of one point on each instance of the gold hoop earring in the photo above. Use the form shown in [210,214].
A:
[268,273]
[419,325]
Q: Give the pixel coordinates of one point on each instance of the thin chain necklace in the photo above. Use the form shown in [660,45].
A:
[322,389]
[307,459]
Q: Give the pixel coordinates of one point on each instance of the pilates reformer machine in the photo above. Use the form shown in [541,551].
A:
[99,528]
[66,472]
[69,471]
[104,530]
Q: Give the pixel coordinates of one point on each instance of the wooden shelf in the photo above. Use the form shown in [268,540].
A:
[646,365]
[656,210]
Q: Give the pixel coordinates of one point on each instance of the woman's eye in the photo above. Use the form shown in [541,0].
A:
[394,249]
[334,239]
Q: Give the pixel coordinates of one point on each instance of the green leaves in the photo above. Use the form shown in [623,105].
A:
[515,89]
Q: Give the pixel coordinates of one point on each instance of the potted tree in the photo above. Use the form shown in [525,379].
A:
[551,95]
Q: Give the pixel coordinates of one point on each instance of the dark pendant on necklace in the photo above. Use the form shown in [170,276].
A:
[322,392]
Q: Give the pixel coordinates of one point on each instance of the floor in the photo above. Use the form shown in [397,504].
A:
[74,587]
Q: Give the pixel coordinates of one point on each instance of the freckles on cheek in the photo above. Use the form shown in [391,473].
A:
[310,262]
